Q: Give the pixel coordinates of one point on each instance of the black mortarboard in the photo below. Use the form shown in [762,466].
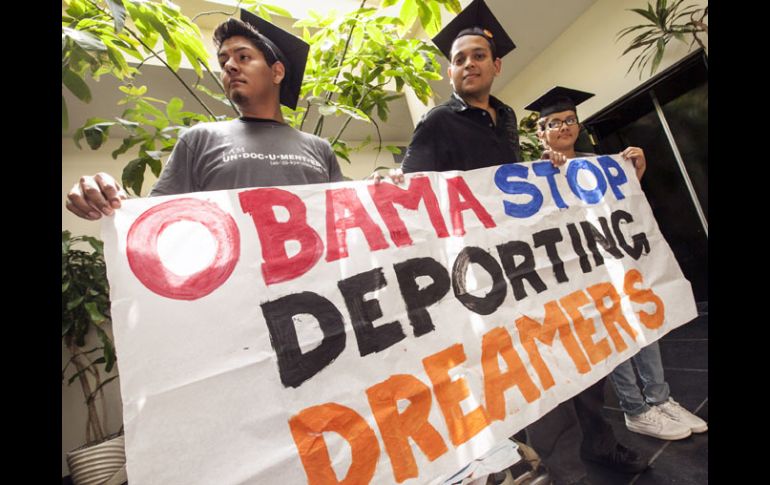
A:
[289,49]
[475,19]
[558,99]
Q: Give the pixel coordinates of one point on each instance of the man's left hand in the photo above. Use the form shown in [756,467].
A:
[636,155]
[557,159]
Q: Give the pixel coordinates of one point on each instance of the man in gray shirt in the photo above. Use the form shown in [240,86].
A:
[262,68]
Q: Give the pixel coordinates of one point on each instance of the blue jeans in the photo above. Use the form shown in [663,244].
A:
[632,400]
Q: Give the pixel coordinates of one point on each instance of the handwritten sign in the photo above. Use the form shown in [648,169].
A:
[359,333]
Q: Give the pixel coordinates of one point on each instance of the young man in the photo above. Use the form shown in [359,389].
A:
[559,127]
[262,67]
[554,436]
[473,130]
[650,410]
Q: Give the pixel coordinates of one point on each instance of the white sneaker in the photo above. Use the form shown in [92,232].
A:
[675,411]
[658,425]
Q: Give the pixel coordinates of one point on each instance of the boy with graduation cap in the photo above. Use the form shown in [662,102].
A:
[262,68]
[576,429]
[558,127]
[651,410]
[472,129]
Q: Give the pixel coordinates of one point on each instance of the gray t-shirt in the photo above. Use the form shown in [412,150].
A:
[243,153]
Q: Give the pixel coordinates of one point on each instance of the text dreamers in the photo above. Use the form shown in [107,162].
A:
[361,333]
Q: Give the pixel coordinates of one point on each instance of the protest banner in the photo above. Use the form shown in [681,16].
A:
[358,333]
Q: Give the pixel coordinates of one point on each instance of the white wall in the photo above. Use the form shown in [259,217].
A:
[586,57]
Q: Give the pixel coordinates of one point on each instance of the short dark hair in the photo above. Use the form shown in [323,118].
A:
[233,27]
[487,35]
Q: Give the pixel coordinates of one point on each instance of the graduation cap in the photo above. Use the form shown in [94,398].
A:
[475,19]
[558,99]
[289,49]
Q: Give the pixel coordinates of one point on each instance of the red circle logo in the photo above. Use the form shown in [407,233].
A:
[145,262]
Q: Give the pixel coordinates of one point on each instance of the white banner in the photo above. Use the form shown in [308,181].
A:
[353,333]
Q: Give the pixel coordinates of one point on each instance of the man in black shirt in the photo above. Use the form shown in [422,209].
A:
[474,130]
[488,125]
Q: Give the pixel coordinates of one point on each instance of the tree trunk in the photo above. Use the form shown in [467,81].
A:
[94,428]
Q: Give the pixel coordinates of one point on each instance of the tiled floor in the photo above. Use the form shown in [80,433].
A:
[683,462]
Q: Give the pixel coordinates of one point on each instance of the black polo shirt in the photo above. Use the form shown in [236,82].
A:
[457,136]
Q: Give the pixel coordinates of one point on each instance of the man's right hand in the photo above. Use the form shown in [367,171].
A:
[395,176]
[95,195]
[557,158]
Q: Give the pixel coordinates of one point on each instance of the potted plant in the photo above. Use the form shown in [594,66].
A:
[85,311]
[665,21]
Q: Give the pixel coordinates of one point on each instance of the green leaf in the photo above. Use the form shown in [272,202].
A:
[454,6]
[133,175]
[148,109]
[118,13]
[382,113]
[327,109]
[96,244]
[661,49]
[628,30]
[173,110]
[425,14]
[388,3]
[433,76]
[153,159]
[393,149]
[375,33]
[133,90]
[408,14]
[152,19]
[85,40]
[124,147]
[74,303]
[353,112]
[195,58]
[434,24]
[173,56]
[646,14]
[95,137]
[94,314]
[76,375]
[76,85]
[218,96]
[264,13]
[418,61]
[277,10]
[66,325]
[65,241]
[109,349]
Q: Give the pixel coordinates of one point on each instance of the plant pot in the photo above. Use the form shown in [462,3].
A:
[95,464]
